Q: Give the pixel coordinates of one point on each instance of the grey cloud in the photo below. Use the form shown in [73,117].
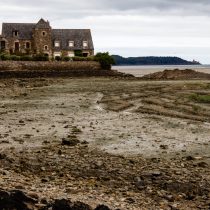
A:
[102,7]
[138,24]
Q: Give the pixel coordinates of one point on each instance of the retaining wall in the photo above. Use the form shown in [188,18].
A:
[31,69]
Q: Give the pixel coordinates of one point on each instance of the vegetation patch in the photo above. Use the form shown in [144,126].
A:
[200,98]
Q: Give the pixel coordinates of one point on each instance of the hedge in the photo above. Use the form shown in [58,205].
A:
[106,61]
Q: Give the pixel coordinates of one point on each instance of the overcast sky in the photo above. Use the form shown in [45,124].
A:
[126,27]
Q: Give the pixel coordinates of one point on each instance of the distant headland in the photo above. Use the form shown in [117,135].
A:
[152,60]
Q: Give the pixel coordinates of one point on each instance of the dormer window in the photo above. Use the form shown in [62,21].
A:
[71,43]
[15,33]
[57,44]
[85,44]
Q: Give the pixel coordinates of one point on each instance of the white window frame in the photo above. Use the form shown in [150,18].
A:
[71,54]
[29,45]
[71,43]
[46,47]
[15,33]
[57,43]
[85,44]
[57,54]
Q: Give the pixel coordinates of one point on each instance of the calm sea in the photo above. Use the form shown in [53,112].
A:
[139,71]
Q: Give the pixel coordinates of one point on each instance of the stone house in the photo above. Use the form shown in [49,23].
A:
[32,39]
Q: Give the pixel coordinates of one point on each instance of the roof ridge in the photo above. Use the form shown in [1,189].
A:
[71,29]
[17,23]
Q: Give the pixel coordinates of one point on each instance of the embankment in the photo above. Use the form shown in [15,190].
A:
[176,74]
[32,69]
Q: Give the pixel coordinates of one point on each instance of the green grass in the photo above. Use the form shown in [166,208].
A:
[200,98]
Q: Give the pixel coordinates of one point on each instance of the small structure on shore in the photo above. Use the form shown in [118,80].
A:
[40,38]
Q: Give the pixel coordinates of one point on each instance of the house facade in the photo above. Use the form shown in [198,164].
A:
[40,38]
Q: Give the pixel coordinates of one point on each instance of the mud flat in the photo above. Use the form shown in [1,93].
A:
[127,144]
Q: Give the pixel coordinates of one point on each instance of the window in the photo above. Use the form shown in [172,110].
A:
[15,33]
[17,46]
[3,45]
[57,54]
[71,43]
[28,46]
[45,47]
[57,44]
[71,54]
[43,33]
[85,43]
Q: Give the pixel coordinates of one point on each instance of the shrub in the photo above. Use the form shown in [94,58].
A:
[26,58]
[105,60]
[14,58]
[78,53]
[200,98]
[41,57]
[76,58]
[58,58]
[5,57]
[66,59]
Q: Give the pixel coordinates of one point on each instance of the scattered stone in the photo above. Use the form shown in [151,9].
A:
[70,141]
[16,199]
[190,158]
[21,121]
[202,164]
[164,147]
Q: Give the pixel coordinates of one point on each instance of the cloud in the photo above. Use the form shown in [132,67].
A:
[181,26]
[72,8]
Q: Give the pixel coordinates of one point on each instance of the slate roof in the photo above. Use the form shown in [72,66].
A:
[42,24]
[76,35]
[24,30]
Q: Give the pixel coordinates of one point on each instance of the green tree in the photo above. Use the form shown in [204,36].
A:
[105,60]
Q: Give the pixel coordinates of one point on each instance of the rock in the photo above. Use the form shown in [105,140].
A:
[67,205]
[97,164]
[61,204]
[80,206]
[4,172]
[15,200]
[151,174]
[173,206]
[164,147]
[70,141]
[139,183]
[84,142]
[21,121]
[202,164]
[189,158]
[18,200]
[130,200]
[2,156]
[102,207]
[4,142]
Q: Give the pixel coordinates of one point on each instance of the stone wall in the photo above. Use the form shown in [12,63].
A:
[10,45]
[48,66]
[32,69]
[41,40]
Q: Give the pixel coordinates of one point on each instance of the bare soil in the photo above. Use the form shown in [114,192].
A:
[142,144]
[177,74]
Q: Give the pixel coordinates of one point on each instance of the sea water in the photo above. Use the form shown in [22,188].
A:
[139,71]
